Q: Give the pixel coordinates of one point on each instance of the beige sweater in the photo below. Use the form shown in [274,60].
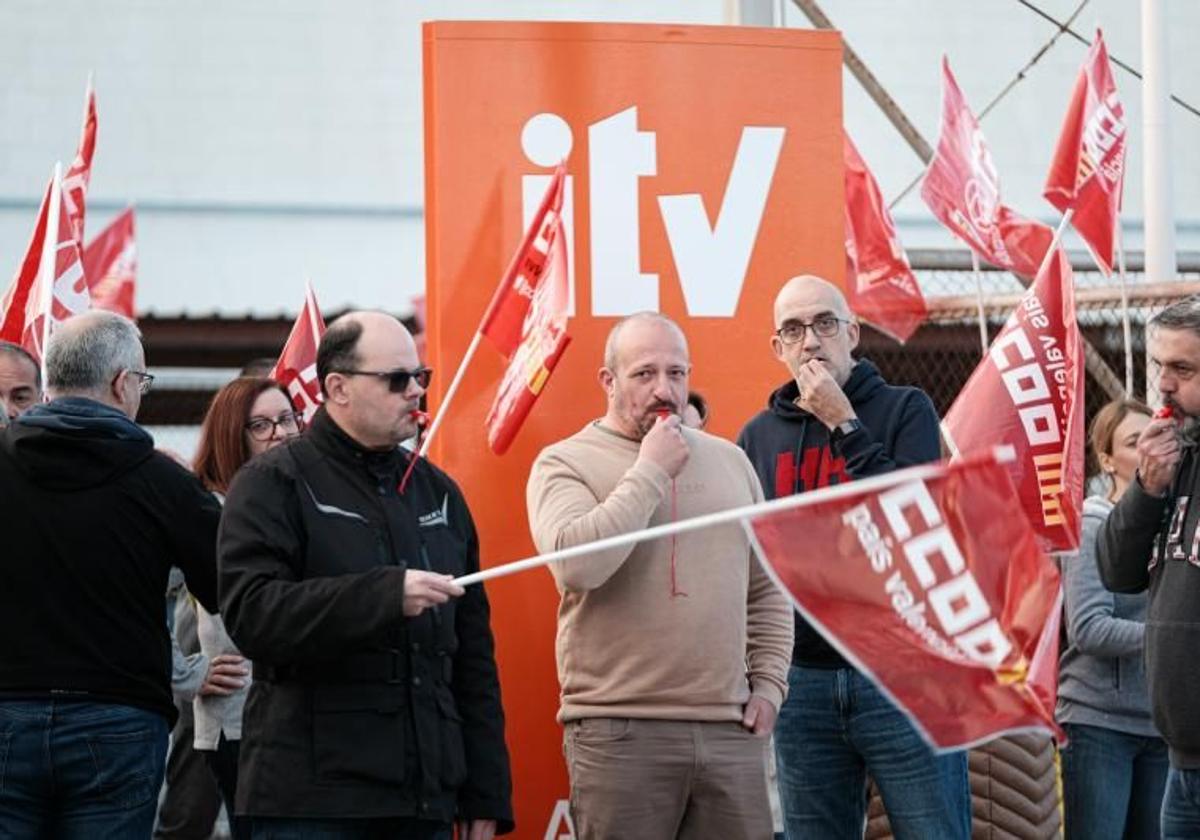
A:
[626,647]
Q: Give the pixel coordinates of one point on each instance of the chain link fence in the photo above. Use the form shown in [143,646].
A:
[939,358]
[943,354]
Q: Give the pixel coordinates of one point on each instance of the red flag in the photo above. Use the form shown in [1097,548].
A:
[110,266]
[1088,169]
[962,189]
[505,316]
[296,369]
[935,588]
[12,309]
[542,342]
[75,182]
[1028,393]
[882,287]
[1025,240]
[59,289]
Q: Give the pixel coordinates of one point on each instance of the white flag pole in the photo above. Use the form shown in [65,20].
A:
[983,336]
[998,454]
[1054,243]
[450,392]
[48,266]
[1125,330]
[310,301]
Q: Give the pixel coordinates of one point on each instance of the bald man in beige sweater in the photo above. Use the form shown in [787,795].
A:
[673,653]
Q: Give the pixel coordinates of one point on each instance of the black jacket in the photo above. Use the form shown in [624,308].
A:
[1154,543]
[93,520]
[356,711]
[791,452]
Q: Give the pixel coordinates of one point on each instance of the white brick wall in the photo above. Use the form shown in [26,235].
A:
[293,127]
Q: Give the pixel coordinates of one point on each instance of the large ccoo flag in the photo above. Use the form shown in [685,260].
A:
[935,588]
[543,340]
[882,288]
[1027,393]
[962,188]
[1087,173]
[110,265]
[296,369]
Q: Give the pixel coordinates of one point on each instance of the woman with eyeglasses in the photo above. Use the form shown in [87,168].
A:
[246,418]
[1115,761]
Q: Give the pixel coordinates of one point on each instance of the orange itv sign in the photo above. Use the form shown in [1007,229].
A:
[704,169]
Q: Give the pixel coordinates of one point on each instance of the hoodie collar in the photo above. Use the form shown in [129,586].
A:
[80,416]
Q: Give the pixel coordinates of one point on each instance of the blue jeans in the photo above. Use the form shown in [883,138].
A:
[75,769]
[287,828]
[1113,783]
[833,729]
[1181,805]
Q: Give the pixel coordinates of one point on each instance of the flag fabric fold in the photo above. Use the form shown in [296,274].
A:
[936,589]
[1027,392]
[962,189]
[543,336]
[110,266]
[59,288]
[79,175]
[503,323]
[881,286]
[12,308]
[296,370]
[1087,172]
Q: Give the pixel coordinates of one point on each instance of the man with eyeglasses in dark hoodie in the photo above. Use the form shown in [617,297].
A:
[837,420]
[1151,541]
[375,707]
[94,518]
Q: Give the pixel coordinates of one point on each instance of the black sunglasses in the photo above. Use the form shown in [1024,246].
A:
[397,380]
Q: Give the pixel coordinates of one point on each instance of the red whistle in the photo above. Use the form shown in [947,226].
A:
[663,413]
[421,418]
[1165,413]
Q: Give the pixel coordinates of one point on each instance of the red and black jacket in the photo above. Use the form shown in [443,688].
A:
[792,452]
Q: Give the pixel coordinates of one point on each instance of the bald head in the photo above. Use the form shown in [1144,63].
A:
[356,335]
[803,306]
[632,328]
[368,366]
[645,372]
[808,289]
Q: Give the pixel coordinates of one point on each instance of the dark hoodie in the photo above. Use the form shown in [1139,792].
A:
[93,520]
[792,453]
[1154,542]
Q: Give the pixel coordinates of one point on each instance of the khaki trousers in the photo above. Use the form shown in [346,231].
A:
[634,779]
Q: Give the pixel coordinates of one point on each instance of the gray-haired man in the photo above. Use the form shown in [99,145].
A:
[94,518]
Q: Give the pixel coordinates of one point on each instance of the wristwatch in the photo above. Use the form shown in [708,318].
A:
[844,429]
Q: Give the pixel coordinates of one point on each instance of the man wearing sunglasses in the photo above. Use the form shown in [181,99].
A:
[375,707]
[833,421]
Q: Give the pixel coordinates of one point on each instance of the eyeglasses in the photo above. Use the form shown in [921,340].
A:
[263,428]
[823,326]
[145,380]
[397,380]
